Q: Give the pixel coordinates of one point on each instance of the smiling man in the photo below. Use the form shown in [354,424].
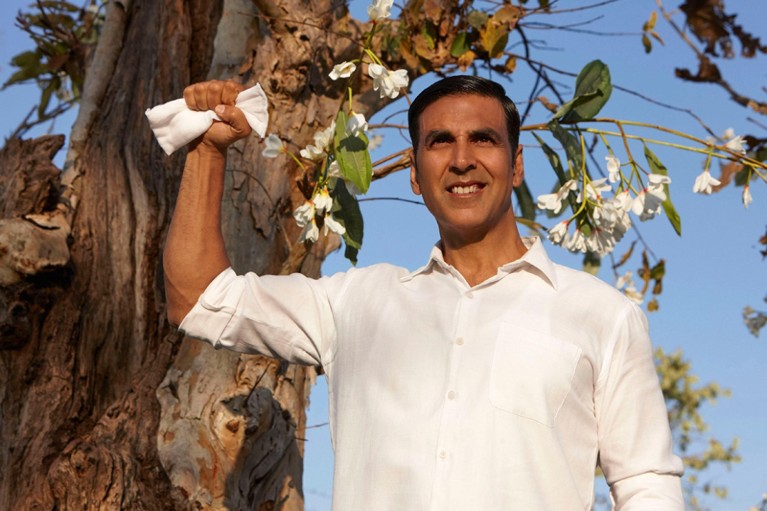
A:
[490,378]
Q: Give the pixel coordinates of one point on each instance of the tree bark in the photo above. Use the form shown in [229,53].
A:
[104,405]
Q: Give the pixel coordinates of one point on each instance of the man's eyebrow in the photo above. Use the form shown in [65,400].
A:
[485,132]
[435,134]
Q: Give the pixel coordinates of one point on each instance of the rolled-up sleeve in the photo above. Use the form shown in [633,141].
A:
[635,444]
[287,317]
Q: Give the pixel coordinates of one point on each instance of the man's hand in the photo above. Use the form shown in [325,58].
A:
[220,97]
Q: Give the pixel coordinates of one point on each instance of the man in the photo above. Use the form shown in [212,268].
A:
[489,379]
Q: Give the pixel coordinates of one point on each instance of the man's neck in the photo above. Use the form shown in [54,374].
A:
[478,258]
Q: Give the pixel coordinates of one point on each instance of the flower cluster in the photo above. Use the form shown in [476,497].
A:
[601,220]
[341,157]
[306,215]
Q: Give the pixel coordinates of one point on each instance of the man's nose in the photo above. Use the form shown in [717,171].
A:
[463,158]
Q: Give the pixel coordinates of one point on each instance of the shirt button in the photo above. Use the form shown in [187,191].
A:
[469,295]
[443,454]
[451,395]
[459,341]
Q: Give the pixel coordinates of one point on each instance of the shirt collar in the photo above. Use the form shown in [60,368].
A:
[535,257]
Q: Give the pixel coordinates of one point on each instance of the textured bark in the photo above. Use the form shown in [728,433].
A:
[103,404]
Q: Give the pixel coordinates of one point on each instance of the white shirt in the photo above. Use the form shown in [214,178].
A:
[442,396]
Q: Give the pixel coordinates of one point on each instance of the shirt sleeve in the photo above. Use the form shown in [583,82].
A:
[288,316]
[635,444]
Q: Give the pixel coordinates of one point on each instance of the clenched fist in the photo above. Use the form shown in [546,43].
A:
[220,97]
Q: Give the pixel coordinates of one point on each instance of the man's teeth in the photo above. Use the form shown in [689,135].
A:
[464,189]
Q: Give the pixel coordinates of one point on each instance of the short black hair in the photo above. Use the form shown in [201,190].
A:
[464,85]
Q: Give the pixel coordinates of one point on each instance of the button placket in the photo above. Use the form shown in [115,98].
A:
[451,409]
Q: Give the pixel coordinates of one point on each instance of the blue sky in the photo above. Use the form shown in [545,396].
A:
[713,270]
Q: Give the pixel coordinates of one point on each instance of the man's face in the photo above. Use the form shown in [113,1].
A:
[464,167]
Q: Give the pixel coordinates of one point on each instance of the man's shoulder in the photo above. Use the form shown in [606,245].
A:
[380,272]
[592,289]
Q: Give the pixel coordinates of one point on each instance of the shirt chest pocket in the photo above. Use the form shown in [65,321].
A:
[531,373]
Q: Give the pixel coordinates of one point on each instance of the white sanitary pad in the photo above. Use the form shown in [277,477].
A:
[174,125]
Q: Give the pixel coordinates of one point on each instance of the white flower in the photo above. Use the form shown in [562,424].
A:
[704,182]
[355,124]
[613,168]
[622,201]
[334,170]
[322,140]
[658,180]
[305,217]
[375,142]
[728,134]
[380,9]
[649,201]
[304,213]
[311,232]
[274,146]
[646,205]
[594,189]
[577,242]
[736,144]
[595,242]
[553,201]
[333,225]
[386,82]
[325,137]
[342,70]
[323,201]
[747,200]
[558,233]
[625,284]
[624,279]
[633,295]
[312,152]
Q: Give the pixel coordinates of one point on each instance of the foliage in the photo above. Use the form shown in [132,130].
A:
[685,400]
[64,35]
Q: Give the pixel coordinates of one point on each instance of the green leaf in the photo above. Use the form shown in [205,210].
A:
[429,32]
[571,145]
[353,155]
[554,160]
[591,263]
[592,90]
[460,45]
[346,209]
[646,43]
[30,67]
[658,168]
[556,164]
[45,97]
[525,201]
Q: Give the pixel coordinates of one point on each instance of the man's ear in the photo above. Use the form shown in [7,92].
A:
[414,174]
[519,168]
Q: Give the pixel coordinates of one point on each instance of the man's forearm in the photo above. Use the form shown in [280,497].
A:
[194,250]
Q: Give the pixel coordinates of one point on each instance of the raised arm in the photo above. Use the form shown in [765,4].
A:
[194,250]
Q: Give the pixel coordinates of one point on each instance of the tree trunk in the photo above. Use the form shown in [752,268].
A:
[104,405]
